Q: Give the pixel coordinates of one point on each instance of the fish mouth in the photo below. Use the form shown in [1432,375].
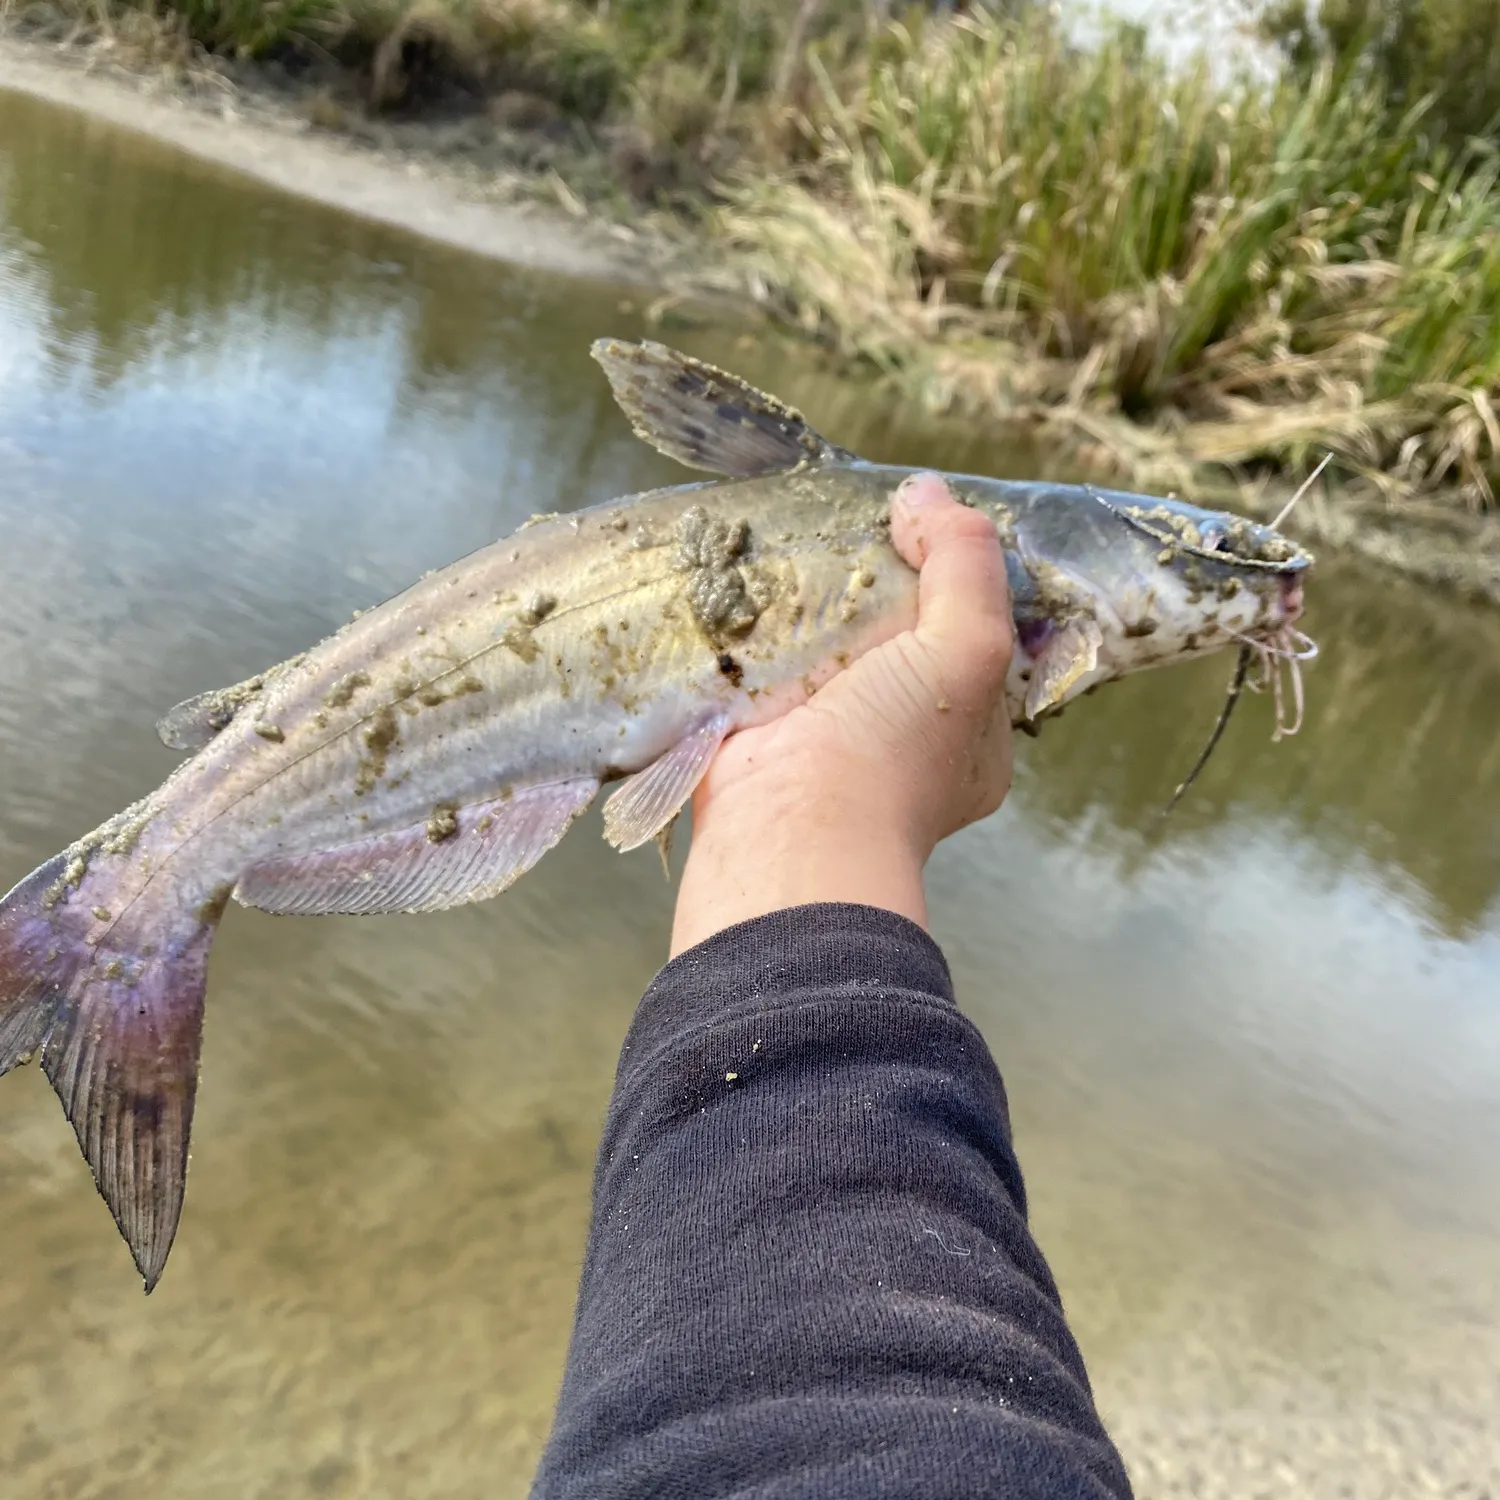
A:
[1275,633]
[1291,597]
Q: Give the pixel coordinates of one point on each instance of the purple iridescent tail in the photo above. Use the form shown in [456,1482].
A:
[114,1006]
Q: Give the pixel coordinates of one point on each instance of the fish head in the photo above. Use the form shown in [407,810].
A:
[1200,579]
[1105,583]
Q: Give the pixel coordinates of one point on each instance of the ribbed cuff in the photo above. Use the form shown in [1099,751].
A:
[771,960]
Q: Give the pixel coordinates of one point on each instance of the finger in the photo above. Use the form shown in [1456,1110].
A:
[963,603]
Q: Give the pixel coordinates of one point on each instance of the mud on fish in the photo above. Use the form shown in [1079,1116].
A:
[436,748]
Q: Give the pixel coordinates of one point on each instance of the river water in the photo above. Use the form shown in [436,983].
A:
[1254,1061]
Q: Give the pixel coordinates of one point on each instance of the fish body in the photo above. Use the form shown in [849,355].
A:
[434,749]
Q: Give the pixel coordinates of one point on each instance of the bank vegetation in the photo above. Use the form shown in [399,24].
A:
[1180,270]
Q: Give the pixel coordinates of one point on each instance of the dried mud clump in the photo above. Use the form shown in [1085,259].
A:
[708,551]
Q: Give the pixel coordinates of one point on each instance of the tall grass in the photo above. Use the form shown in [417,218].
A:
[1244,271]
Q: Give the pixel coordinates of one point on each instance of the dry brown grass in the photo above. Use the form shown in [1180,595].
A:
[1177,271]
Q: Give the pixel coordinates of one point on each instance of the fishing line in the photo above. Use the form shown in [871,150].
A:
[1306,485]
[1180,545]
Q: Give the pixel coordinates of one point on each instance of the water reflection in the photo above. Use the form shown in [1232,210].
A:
[1254,1055]
[191,260]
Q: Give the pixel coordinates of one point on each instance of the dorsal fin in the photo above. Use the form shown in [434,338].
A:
[706,418]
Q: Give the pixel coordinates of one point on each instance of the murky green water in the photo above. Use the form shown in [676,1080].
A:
[1255,1064]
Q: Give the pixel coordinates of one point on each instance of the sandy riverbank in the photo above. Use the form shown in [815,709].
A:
[492,213]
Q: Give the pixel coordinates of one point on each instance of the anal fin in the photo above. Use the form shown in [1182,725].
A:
[646,803]
[458,855]
[705,417]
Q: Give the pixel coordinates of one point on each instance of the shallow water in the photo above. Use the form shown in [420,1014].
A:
[1254,1058]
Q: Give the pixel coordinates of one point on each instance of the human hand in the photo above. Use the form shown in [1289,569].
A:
[845,797]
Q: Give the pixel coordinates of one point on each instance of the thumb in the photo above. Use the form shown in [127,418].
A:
[963,603]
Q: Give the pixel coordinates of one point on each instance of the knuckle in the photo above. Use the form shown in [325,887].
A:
[988,658]
[972,530]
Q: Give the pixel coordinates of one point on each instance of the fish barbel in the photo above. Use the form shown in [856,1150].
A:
[434,749]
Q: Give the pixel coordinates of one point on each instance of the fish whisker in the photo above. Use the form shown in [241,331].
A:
[1236,683]
[1281,656]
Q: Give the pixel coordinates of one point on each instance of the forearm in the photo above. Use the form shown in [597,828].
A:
[791,846]
[809,1271]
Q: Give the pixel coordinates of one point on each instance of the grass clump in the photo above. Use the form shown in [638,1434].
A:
[419,49]
[253,27]
[1179,268]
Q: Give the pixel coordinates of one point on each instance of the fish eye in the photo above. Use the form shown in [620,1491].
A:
[1211,538]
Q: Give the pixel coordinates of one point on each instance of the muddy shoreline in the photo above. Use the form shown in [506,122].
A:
[458,181]
[267,134]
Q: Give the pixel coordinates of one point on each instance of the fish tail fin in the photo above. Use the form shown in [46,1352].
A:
[115,1010]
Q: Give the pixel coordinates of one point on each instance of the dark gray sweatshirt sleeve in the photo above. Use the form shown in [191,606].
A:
[809,1272]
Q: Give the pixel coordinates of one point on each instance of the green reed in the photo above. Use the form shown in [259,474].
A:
[1255,269]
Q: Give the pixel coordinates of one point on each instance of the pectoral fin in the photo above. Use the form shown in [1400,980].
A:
[646,803]
[1071,651]
[706,418]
